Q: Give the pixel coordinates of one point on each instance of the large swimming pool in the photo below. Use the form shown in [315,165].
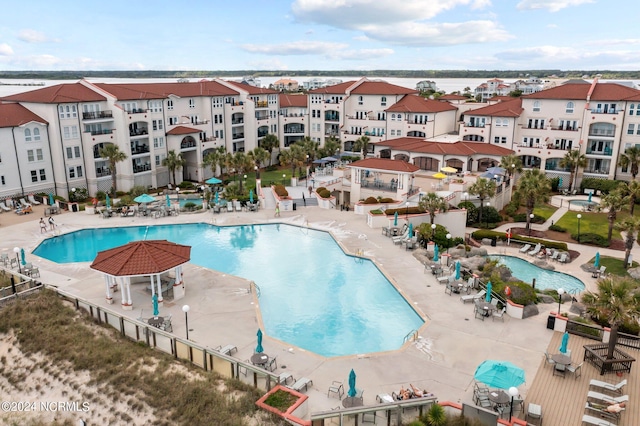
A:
[312,295]
[545,279]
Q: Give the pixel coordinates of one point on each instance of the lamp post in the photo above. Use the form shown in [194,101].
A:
[466,196]
[257,171]
[448,243]
[531,216]
[185,309]
[560,293]
[16,250]
[73,195]
[307,167]
[513,391]
[513,172]
[487,214]
[433,232]
[407,213]
[579,217]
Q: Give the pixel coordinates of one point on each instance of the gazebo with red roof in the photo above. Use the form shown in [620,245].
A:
[142,258]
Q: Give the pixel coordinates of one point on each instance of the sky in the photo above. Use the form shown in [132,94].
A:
[320,35]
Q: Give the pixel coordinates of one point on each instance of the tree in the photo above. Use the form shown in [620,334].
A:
[331,147]
[572,161]
[294,157]
[259,156]
[432,203]
[512,163]
[215,159]
[614,202]
[632,190]
[630,226]
[483,188]
[362,144]
[241,163]
[269,143]
[533,188]
[616,302]
[174,161]
[111,152]
[630,158]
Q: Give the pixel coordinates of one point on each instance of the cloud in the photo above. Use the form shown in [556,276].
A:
[33,36]
[551,5]
[357,13]
[5,49]
[294,48]
[360,54]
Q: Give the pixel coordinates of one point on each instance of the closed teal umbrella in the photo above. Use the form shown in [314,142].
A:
[156,310]
[395,218]
[108,202]
[251,196]
[596,263]
[259,348]
[168,201]
[563,344]
[22,257]
[410,234]
[352,384]
[435,253]
[215,200]
[489,290]
[458,270]
[590,194]
[51,200]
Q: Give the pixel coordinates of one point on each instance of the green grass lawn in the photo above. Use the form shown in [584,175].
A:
[595,223]
[544,210]
[614,265]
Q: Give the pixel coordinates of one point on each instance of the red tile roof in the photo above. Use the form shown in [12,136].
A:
[340,88]
[293,101]
[419,145]
[452,97]
[141,258]
[14,115]
[182,130]
[510,108]
[58,94]
[252,90]
[385,164]
[381,88]
[579,91]
[135,91]
[420,104]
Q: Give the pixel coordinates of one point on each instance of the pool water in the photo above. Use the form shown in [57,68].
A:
[312,295]
[545,279]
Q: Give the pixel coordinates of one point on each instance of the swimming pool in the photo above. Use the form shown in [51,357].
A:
[315,297]
[196,201]
[583,204]
[545,279]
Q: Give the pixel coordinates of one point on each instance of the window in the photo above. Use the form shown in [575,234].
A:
[631,129]
[536,106]
[170,104]
[69,152]
[72,172]
[155,106]
[570,107]
[39,155]
[2,180]
[33,155]
[27,135]
[192,103]
[217,102]
[74,132]
[383,101]
[36,134]
[173,120]
[79,171]
[631,108]
[43,174]
[360,100]
[76,151]
[34,176]
[158,142]
[66,132]
[30,157]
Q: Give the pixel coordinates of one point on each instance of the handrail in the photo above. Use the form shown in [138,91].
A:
[256,287]
[412,335]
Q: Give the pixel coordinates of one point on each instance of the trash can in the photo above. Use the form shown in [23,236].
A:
[551,322]
[494,242]
[74,207]
[295,206]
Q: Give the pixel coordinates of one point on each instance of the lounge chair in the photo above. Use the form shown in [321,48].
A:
[399,239]
[227,350]
[601,271]
[24,203]
[446,279]
[607,398]
[525,248]
[535,250]
[597,421]
[617,388]
[285,377]
[238,206]
[601,409]
[4,207]
[33,200]
[301,383]
[473,297]
[230,207]
[563,258]
[554,255]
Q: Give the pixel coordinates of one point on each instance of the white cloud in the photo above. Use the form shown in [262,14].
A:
[360,54]
[33,36]
[5,49]
[613,42]
[551,5]
[294,48]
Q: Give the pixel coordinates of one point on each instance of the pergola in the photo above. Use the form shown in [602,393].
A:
[138,259]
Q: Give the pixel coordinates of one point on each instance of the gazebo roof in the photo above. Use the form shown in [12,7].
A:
[141,258]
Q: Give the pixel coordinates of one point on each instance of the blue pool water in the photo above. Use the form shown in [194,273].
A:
[312,294]
[545,279]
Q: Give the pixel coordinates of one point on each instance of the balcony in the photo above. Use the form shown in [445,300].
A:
[237,136]
[199,122]
[188,144]
[139,149]
[262,117]
[263,134]
[103,171]
[606,151]
[208,139]
[96,115]
[139,168]
[597,171]
[294,129]
[101,132]
[331,117]
[136,111]
[606,111]
[138,132]
[564,129]
[478,125]
[238,121]
[262,104]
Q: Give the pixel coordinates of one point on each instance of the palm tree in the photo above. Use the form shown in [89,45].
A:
[632,190]
[111,152]
[331,147]
[533,188]
[259,156]
[512,163]
[483,188]
[362,144]
[617,302]
[631,158]
[215,159]
[630,226]
[614,202]
[432,204]
[242,163]
[572,161]
[269,143]
[174,161]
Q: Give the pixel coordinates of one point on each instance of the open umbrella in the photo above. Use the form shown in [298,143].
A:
[168,201]
[156,310]
[108,202]
[251,196]
[320,161]
[395,218]
[458,270]
[489,290]
[352,384]
[439,175]
[212,181]
[51,200]
[259,349]
[22,257]
[497,171]
[448,169]
[563,344]
[499,374]
[435,253]
[144,198]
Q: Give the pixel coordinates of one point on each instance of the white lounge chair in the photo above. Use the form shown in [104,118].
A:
[607,398]
[473,297]
[301,383]
[228,350]
[525,248]
[446,279]
[601,409]
[285,377]
[601,271]
[4,207]
[229,206]
[33,201]
[563,258]
[535,250]
[617,388]
[597,421]
[400,238]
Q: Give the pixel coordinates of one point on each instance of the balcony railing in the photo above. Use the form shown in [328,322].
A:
[238,136]
[189,144]
[136,111]
[601,132]
[141,168]
[200,122]
[237,121]
[102,172]
[101,132]
[294,130]
[331,117]
[262,104]
[262,117]
[567,129]
[597,172]
[480,125]
[208,139]
[609,111]
[606,151]
[94,115]
[135,150]
[138,132]
[263,134]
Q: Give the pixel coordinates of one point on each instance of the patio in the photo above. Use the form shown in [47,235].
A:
[563,399]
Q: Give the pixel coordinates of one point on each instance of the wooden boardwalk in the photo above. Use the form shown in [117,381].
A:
[563,399]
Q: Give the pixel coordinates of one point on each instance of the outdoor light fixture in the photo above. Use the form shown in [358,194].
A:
[255,168]
[433,232]
[283,177]
[407,215]
[448,242]
[487,215]
[185,309]
[513,391]
[579,217]
[560,293]
[16,250]
[531,216]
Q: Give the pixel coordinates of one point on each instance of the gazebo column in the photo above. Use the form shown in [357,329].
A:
[107,281]
[125,288]
[178,286]
[159,283]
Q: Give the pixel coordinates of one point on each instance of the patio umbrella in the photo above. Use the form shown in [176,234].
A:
[108,202]
[259,349]
[439,175]
[213,181]
[156,310]
[496,171]
[168,201]
[51,201]
[410,234]
[458,270]
[563,344]
[395,218]
[144,198]
[22,257]
[329,159]
[352,384]
[499,374]
[448,169]
[320,161]
[596,262]
[251,196]
[435,253]
[590,195]
[560,182]
[489,290]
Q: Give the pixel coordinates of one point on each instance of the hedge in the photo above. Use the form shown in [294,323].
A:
[281,190]
[589,238]
[522,217]
[603,185]
[483,233]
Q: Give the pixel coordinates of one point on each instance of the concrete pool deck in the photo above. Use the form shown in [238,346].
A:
[443,360]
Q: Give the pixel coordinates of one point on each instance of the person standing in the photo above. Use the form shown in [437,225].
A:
[277,214]
[52,223]
[43,226]
[304,200]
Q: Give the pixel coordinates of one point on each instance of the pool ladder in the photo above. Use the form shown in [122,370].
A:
[412,336]
[255,286]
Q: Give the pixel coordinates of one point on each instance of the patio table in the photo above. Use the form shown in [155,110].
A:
[561,359]
[156,321]
[487,307]
[259,359]
[499,397]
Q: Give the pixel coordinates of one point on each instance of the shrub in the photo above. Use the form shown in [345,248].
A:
[281,191]
[189,205]
[138,190]
[185,185]
[387,200]
[522,217]
[627,328]
[557,228]
[472,211]
[325,193]
[376,211]
[101,195]
[120,193]
[511,209]
[371,200]
[320,188]
[491,215]
[590,238]
[483,233]
[555,183]
[80,195]
[603,185]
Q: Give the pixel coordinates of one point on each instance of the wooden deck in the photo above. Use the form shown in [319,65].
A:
[563,399]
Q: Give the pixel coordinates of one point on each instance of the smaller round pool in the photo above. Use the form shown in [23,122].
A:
[545,279]
[196,201]
[583,205]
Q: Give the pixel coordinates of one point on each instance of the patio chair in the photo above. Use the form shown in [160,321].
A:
[411,243]
[336,388]
[499,315]
[548,359]
[4,258]
[24,203]
[563,258]
[227,350]
[554,255]
[272,364]
[33,201]
[479,313]
[607,398]
[617,388]
[401,238]
[229,207]
[534,411]
[525,248]
[473,297]
[301,383]
[597,421]
[575,369]
[166,325]
[535,250]
[447,279]
[4,207]
[283,378]
[601,271]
